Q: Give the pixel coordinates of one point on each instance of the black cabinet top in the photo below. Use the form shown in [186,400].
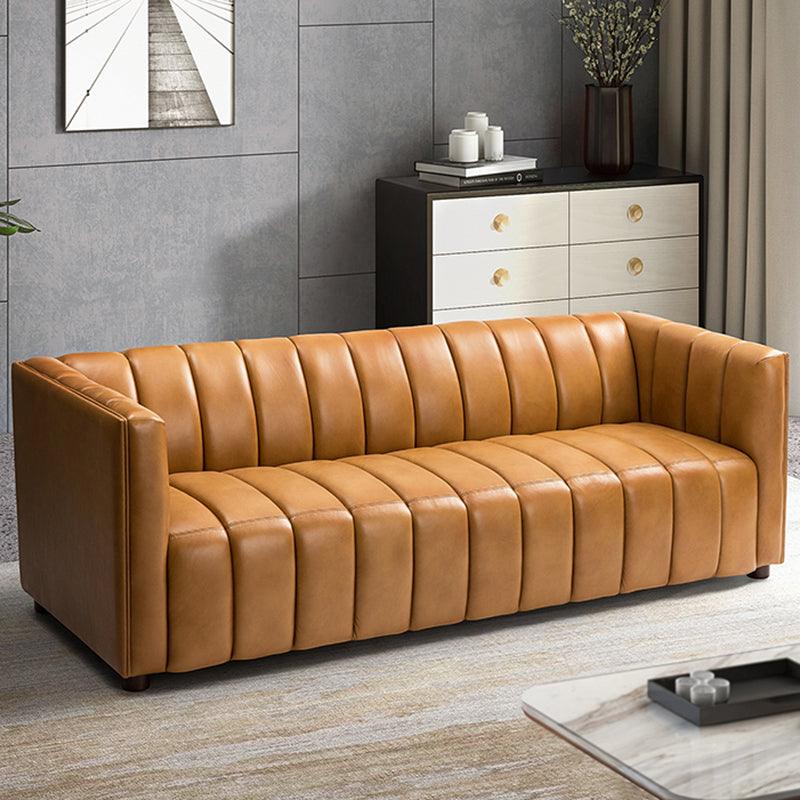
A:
[556,178]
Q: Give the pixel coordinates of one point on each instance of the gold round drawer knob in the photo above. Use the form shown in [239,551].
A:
[635,212]
[635,266]
[500,277]
[501,222]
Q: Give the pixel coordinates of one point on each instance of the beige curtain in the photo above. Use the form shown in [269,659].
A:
[783,184]
[712,121]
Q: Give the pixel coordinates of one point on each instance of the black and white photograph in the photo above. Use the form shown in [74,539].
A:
[148,64]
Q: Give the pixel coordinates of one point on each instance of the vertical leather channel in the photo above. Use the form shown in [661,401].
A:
[647,494]
[612,347]
[383,545]
[261,561]
[386,392]
[337,411]
[671,373]
[598,508]
[200,587]
[165,385]
[546,506]
[227,411]
[441,539]
[482,376]
[531,382]
[107,369]
[281,398]
[754,420]
[643,331]
[706,375]
[578,383]
[438,407]
[325,558]
[495,529]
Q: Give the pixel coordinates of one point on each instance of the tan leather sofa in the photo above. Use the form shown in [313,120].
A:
[183,506]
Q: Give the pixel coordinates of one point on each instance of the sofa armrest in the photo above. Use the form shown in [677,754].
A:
[92,497]
[725,389]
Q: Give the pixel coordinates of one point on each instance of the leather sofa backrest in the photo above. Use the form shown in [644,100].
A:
[325,396]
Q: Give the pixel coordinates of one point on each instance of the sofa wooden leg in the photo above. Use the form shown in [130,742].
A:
[761,574]
[136,684]
[39,609]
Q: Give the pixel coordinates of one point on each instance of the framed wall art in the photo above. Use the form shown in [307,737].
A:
[148,64]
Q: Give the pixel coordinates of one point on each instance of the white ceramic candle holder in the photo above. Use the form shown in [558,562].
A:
[722,689]
[701,694]
[702,675]
[477,121]
[684,685]
[464,146]
[493,143]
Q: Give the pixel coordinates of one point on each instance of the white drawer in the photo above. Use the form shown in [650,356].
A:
[640,212]
[548,308]
[507,276]
[679,305]
[469,224]
[635,266]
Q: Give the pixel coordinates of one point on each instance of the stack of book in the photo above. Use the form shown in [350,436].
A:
[511,170]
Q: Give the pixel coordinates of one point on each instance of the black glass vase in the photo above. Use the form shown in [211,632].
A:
[608,129]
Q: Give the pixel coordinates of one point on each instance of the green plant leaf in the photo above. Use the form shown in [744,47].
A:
[9,202]
[22,223]
[8,230]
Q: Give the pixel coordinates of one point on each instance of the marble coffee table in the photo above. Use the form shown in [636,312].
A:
[611,718]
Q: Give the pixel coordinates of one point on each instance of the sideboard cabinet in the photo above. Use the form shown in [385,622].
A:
[571,244]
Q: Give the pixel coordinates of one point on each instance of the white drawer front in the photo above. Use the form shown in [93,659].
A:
[509,276]
[470,224]
[634,266]
[641,212]
[548,308]
[679,305]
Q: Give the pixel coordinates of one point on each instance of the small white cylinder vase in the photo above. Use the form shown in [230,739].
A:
[493,143]
[722,689]
[464,146]
[702,675]
[702,694]
[683,686]
[477,121]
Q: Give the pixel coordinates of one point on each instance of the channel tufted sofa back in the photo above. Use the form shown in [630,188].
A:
[275,401]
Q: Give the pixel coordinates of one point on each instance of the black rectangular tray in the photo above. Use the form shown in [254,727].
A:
[757,690]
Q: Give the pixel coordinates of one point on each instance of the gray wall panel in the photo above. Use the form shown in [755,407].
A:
[151,253]
[337,303]
[3,161]
[365,111]
[339,12]
[3,17]
[501,57]
[266,94]
[645,106]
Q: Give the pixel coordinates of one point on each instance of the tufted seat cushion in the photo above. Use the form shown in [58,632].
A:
[266,559]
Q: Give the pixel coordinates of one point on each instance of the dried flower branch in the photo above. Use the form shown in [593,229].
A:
[613,35]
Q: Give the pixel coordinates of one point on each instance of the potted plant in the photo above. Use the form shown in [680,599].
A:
[10,224]
[614,37]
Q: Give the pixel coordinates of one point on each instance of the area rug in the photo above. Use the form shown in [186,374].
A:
[434,714]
